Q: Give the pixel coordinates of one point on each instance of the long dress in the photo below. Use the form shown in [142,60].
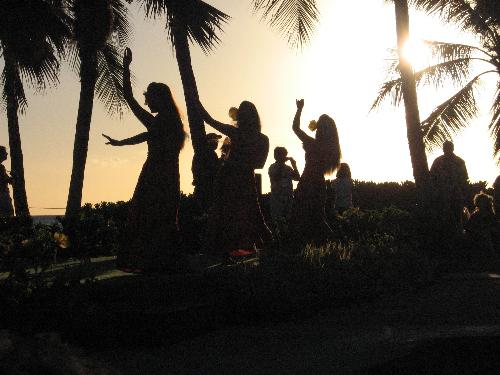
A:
[235,218]
[151,238]
[308,222]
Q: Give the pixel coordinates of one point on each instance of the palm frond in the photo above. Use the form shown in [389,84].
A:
[390,89]
[201,21]
[451,116]
[121,25]
[454,71]
[18,90]
[296,19]
[460,12]
[445,51]
[494,125]
[109,84]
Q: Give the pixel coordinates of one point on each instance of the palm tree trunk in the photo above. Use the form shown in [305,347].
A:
[88,77]
[413,130]
[12,80]
[196,123]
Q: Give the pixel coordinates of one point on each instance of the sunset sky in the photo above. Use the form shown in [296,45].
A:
[338,73]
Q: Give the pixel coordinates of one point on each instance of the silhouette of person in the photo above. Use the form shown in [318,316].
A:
[282,177]
[235,219]
[496,197]
[6,209]
[482,226]
[322,155]
[204,172]
[343,189]
[450,179]
[151,238]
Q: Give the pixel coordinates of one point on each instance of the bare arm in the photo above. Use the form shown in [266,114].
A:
[135,140]
[296,123]
[225,129]
[142,115]
[296,173]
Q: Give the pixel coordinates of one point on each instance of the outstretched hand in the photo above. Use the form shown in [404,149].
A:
[111,141]
[203,112]
[300,103]
[127,58]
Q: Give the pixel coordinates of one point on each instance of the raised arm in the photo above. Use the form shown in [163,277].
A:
[135,140]
[296,123]
[296,173]
[142,115]
[225,129]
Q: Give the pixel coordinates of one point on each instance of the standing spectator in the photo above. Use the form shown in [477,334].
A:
[6,209]
[496,197]
[343,188]
[282,177]
[450,179]
[206,169]
[483,228]
[322,154]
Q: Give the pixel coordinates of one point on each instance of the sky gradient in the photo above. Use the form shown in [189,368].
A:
[338,73]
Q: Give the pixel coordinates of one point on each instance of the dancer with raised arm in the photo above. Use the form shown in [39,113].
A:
[235,220]
[151,238]
[322,154]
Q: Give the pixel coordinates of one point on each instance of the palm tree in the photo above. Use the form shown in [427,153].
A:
[407,92]
[461,64]
[99,27]
[195,20]
[32,36]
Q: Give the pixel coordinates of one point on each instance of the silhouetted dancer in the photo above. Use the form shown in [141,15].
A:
[322,155]
[151,238]
[342,186]
[204,171]
[450,179]
[282,177]
[235,219]
[6,209]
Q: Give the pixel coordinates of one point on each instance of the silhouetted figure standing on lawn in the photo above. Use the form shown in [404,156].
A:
[322,158]
[282,177]
[483,229]
[235,219]
[450,178]
[343,188]
[151,238]
[496,197]
[6,209]
[206,169]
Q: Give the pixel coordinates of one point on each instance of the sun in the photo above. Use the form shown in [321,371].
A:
[417,53]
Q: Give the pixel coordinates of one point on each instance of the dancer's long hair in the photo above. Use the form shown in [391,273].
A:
[168,107]
[248,117]
[327,143]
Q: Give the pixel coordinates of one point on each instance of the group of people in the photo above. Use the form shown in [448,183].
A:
[225,186]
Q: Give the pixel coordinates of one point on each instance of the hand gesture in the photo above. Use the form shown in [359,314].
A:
[111,141]
[300,103]
[127,58]
[292,160]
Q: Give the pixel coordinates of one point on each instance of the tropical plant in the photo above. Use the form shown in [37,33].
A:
[100,29]
[32,36]
[463,65]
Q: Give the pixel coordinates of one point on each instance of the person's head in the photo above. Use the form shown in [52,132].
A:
[344,171]
[213,141]
[225,147]
[248,117]
[327,141]
[3,154]
[280,154]
[483,202]
[496,184]
[159,99]
[448,148]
